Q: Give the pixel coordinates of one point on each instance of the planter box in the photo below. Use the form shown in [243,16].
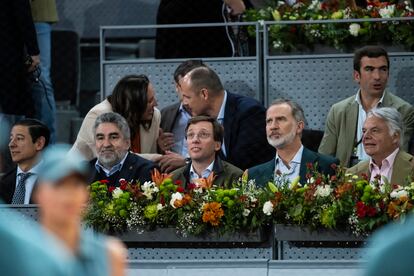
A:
[296,233]
[170,235]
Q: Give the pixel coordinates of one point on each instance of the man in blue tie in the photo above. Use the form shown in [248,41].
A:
[28,138]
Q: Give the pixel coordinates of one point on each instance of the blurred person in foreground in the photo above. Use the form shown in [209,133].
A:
[134,98]
[174,118]
[390,250]
[204,137]
[62,195]
[28,139]
[383,133]
[343,131]
[243,118]
[115,161]
[285,121]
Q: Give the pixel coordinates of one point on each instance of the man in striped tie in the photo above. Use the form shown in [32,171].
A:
[28,138]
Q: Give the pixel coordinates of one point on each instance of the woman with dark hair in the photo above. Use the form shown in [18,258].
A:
[134,98]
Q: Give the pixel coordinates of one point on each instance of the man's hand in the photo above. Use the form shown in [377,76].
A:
[35,63]
[165,141]
[170,162]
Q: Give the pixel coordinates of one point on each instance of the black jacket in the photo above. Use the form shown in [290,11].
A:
[8,186]
[135,168]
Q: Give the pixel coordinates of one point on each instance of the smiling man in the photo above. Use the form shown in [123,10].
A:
[204,137]
[285,122]
[114,162]
[343,130]
[28,138]
[382,133]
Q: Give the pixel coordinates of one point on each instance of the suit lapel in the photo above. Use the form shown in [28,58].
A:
[172,117]
[402,168]
[127,170]
[351,124]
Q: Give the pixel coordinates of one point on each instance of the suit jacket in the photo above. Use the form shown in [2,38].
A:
[264,173]
[342,122]
[135,168]
[168,116]
[85,142]
[225,174]
[403,166]
[245,132]
[8,186]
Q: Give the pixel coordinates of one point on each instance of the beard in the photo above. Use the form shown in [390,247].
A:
[283,140]
[110,158]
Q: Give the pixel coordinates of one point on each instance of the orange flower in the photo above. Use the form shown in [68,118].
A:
[205,183]
[186,200]
[342,189]
[158,177]
[212,213]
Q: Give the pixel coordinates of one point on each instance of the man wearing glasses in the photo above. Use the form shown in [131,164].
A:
[204,138]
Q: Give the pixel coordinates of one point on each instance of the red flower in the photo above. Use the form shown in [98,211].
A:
[308,176]
[180,189]
[318,181]
[162,200]
[364,176]
[361,209]
[104,181]
[111,189]
[178,182]
[191,186]
[123,186]
[371,211]
[334,166]
[309,166]
[122,181]
[394,186]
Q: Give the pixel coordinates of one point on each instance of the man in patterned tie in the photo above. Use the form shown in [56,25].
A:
[28,138]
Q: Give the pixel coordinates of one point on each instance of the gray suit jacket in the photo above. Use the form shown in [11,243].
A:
[342,121]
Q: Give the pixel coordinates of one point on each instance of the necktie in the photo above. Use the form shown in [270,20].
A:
[19,193]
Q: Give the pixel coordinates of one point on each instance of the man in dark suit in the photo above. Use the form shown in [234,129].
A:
[285,121]
[243,118]
[115,162]
[28,138]
[174,118]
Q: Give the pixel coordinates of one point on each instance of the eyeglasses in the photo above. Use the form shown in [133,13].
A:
[201,135]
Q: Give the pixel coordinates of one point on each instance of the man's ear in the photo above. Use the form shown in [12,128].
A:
[217,146]
[40,143]
[301,126]
[357,76]
[204,94]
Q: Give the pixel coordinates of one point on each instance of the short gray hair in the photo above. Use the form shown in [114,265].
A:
[391,117]
[297,111]
[113,118]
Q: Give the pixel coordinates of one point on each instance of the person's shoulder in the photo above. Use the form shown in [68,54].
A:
[102,107]
[170,108]
[327,159]
[178,173]
[139,161]
[231,168]
[341,105]
[8,175]
[398,102]
[244,103]
[259,169]
[359,168]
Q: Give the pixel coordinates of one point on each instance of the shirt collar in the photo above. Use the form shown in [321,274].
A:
[296,159]
[114,169]
[389,160]
[220,115]
[204,174]
[183,110]
[33,170]
[358,98]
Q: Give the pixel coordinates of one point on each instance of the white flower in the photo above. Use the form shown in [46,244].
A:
[387,12]
[174,197]
[399,194]
[159,206]
[268,208]
[246,212]
[354,30]
[117,192]
[323,191]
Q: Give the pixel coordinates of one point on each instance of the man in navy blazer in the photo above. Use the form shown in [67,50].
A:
[243,118]
[115,162]
[285,121]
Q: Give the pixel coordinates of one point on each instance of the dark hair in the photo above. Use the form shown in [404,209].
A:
[186,67]
[297,110]
[218,130]
[130,99]
[37,129]
[205,77]
[371,51]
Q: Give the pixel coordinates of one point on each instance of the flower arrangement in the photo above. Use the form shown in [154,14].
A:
[341,36]
[340,201]
[192,210]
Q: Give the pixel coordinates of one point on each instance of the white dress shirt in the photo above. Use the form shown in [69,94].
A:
[180,143]
[30,181]
[206,173]
[114,169]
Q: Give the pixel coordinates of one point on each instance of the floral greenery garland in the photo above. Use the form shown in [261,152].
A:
[342,201]
[342,36]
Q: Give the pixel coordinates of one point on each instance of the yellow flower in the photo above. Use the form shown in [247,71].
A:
[276,15]
[337,15]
